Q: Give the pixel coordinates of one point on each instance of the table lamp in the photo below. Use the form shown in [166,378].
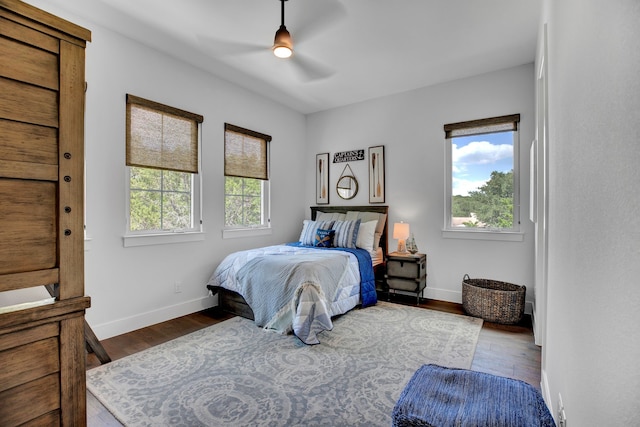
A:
[401,232]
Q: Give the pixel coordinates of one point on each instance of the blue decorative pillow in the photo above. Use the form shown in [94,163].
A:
[324,238]
[309,228]
[346,233]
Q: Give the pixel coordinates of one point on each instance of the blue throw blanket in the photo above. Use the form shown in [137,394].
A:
[368,295]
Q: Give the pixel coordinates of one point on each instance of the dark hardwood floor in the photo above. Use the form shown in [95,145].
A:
[506,350]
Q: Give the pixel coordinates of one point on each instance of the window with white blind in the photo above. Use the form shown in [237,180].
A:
[162,145]
[246,170]
[482,181]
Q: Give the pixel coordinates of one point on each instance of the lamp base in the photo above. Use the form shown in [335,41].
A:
[402,247]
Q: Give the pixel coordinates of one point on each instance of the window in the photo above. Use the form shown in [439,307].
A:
[482,175]
[246,170]
[162,155]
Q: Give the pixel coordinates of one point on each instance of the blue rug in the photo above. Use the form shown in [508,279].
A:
[439,397]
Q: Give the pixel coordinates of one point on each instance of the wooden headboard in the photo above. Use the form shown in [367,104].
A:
[384,241]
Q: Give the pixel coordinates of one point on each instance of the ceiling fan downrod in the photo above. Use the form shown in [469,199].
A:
[282,44]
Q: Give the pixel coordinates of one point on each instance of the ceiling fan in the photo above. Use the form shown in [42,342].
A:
[319,16]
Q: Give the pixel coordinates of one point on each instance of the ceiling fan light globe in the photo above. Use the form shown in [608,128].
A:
[282,44]
[282,52]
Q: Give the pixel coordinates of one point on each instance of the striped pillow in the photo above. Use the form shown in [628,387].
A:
[310,229]
[346,233]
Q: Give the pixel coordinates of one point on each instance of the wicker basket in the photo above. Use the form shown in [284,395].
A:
[492,300]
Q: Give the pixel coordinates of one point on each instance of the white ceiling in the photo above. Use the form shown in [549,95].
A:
[358,49]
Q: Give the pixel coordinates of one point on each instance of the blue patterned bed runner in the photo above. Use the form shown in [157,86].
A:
[368,295]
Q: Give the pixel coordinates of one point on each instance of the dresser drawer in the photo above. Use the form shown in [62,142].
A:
[412,268]
[415,285]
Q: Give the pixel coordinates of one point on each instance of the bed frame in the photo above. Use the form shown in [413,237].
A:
[234,303]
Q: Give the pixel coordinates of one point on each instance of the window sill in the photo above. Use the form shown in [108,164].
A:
[161,239]
[504,236]
[236,233]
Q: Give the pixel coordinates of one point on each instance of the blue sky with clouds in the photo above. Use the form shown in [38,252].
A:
[475,157]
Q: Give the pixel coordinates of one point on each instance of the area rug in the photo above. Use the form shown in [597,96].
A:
[236,374]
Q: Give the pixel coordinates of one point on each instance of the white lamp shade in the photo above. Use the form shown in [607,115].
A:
[401,231]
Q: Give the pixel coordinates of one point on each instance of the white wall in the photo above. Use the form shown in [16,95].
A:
[410,126]
[134,287]
[593,326]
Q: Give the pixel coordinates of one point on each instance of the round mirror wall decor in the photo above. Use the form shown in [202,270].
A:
[347,185]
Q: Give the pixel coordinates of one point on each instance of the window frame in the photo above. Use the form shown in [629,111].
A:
[244,230]
[478,127]
[151,237]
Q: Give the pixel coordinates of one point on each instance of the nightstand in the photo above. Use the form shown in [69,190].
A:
[406,272]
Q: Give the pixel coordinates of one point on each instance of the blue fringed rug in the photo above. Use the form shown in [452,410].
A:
[439,397]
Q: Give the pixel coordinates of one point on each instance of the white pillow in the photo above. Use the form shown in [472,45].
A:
[366,235]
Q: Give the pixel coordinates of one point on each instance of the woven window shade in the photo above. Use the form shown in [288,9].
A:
[161,137]
[478,127]
[245,153]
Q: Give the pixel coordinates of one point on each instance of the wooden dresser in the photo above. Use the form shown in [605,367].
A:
[42,83]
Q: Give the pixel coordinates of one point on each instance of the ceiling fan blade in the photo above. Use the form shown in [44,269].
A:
[317,17]
[220,47]
[309,69]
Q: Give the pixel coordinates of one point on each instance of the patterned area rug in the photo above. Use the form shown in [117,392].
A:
[236,374]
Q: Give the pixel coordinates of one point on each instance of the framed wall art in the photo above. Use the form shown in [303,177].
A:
[376,174]
[322,179]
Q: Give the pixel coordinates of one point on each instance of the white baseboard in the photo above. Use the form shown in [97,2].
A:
[443,295]
[142,320]
[128,324]
[544,390]
[537,335]
[456,296]
[533,324]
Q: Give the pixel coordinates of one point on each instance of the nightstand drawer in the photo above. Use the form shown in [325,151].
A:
[415,285]
[410,268]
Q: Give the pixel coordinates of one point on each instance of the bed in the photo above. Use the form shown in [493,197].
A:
[300,286]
